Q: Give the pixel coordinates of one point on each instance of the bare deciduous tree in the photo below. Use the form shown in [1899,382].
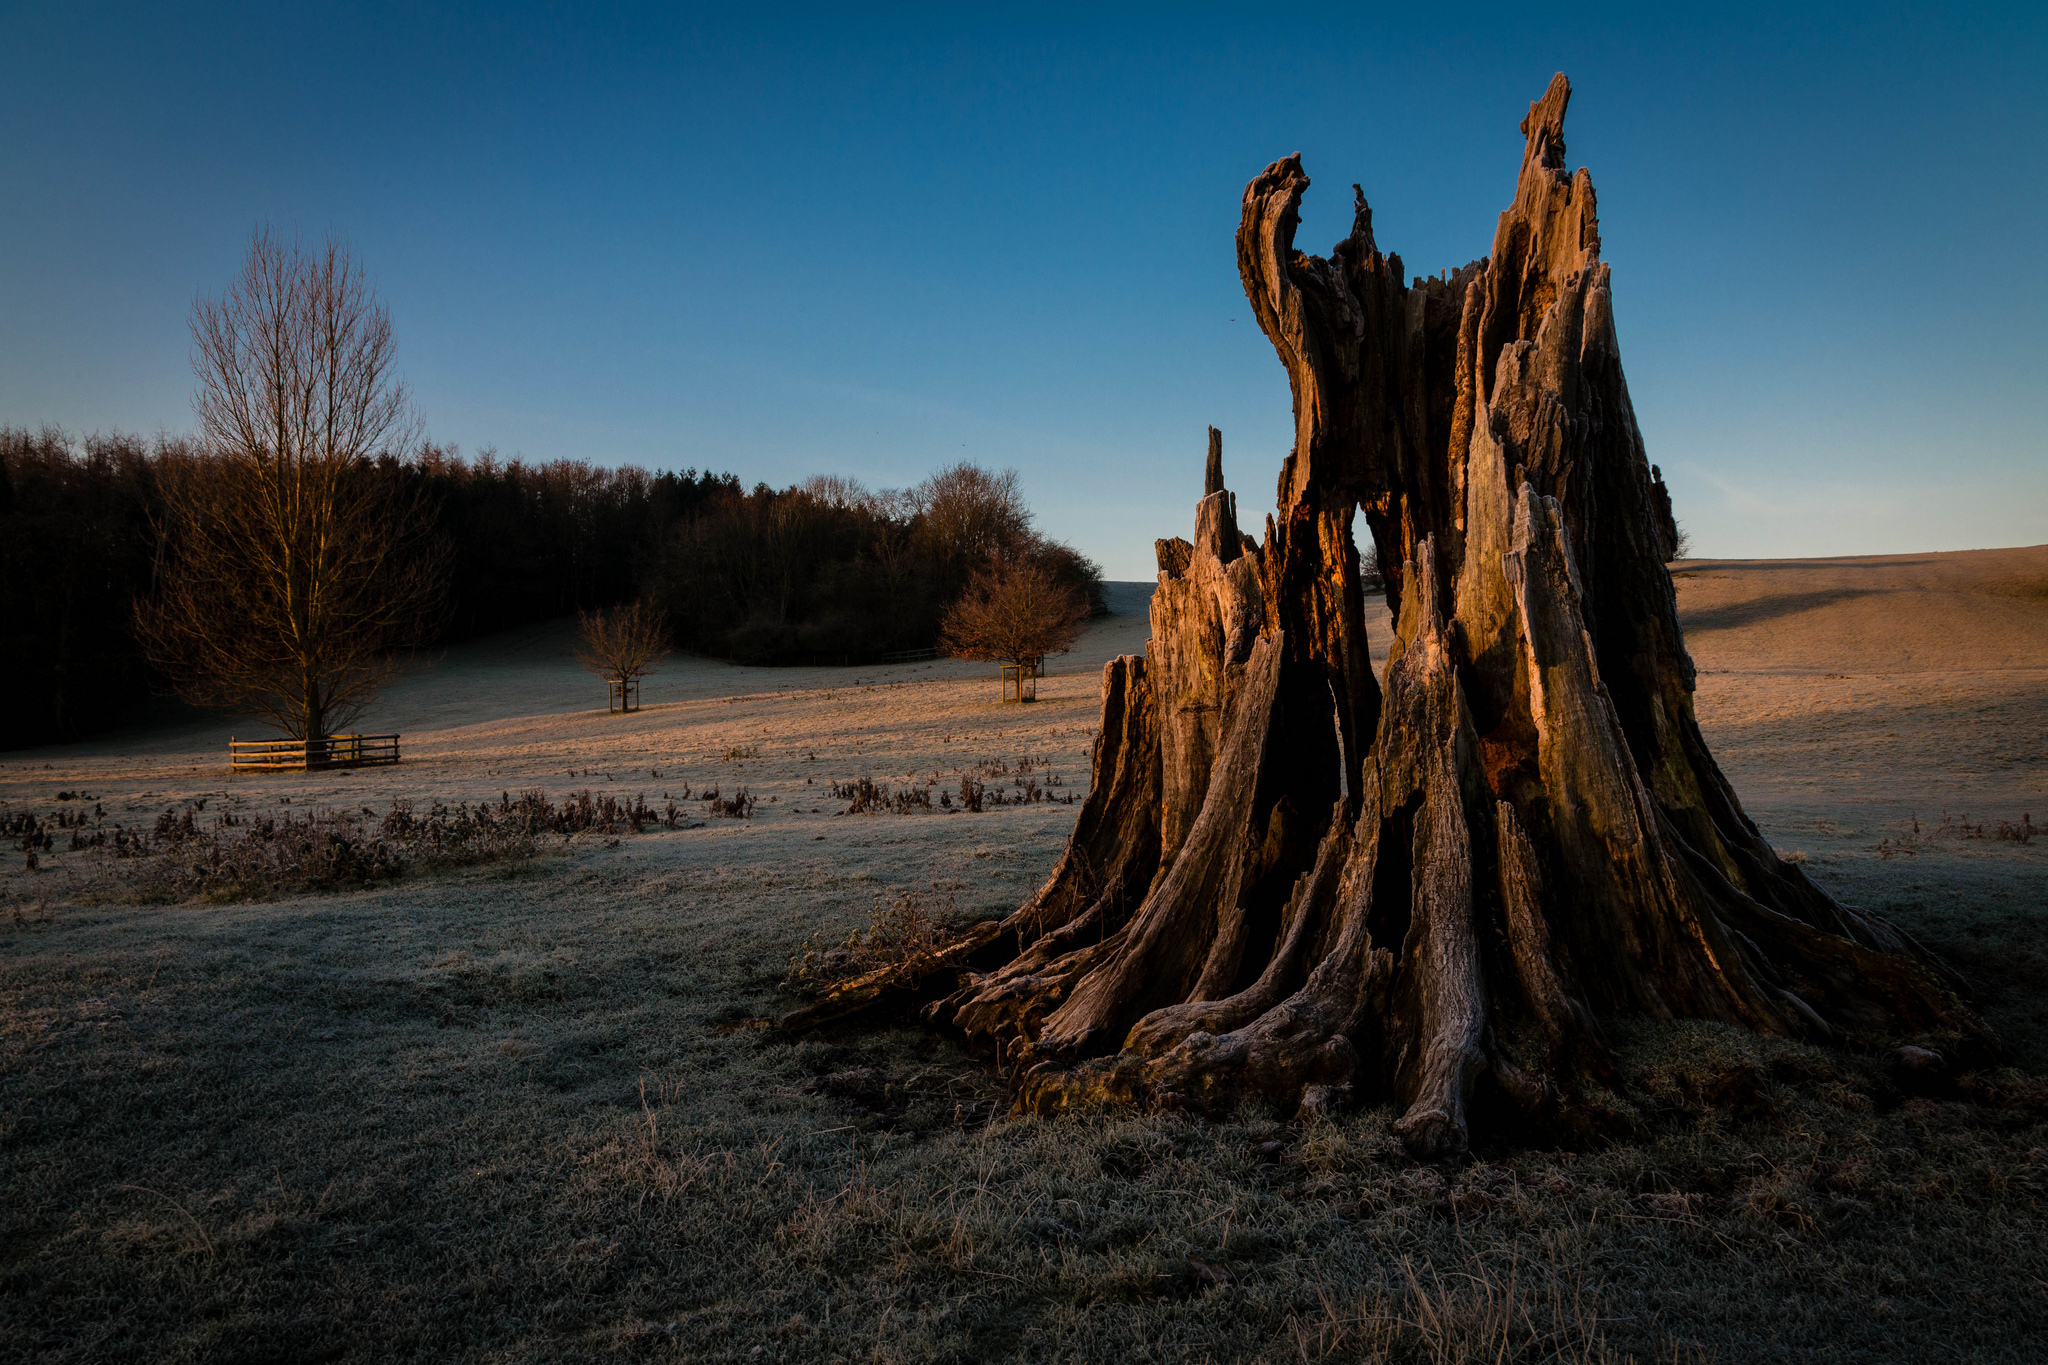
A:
[622,644]
[1013,613]
[969,515]
[291,569]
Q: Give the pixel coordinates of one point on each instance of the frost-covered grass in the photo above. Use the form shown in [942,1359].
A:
[480,1117]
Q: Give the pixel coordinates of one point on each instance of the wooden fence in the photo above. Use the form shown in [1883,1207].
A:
[335,751]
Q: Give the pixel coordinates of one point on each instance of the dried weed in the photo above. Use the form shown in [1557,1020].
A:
[903,923]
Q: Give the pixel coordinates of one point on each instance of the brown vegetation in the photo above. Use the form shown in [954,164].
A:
[902,924]
[188,855]
[291,574]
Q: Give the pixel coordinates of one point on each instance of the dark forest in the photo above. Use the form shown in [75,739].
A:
[822,571]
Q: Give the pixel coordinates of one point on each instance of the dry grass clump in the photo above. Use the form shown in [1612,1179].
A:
[1958,827]
[865,796]
[187,854]
[990,782]
[997,782]
[30,838]
[1475,1309]
[33,835]
[261,856]
[738,806]
[530,813]
[1027,773]
[903,923]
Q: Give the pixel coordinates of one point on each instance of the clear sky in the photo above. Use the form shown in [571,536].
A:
[784,241]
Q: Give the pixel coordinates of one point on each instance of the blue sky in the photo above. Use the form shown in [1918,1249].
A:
[784,241]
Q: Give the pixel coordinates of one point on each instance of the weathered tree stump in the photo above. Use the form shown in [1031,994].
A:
[1290,881]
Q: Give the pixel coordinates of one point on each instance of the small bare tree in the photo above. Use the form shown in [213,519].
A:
[624,644]
[1014,613]
[291,568]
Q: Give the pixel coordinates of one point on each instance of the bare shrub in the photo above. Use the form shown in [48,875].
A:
[1479,1310]
[291,569]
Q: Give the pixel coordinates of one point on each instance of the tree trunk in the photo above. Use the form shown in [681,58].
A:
[1311,888]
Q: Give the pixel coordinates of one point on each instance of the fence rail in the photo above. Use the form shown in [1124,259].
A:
[910,656]
[335,751]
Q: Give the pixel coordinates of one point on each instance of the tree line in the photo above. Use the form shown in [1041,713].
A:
[285,558]
[824,570]
[827,570]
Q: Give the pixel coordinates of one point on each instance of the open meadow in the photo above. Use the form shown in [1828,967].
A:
[523,1098]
